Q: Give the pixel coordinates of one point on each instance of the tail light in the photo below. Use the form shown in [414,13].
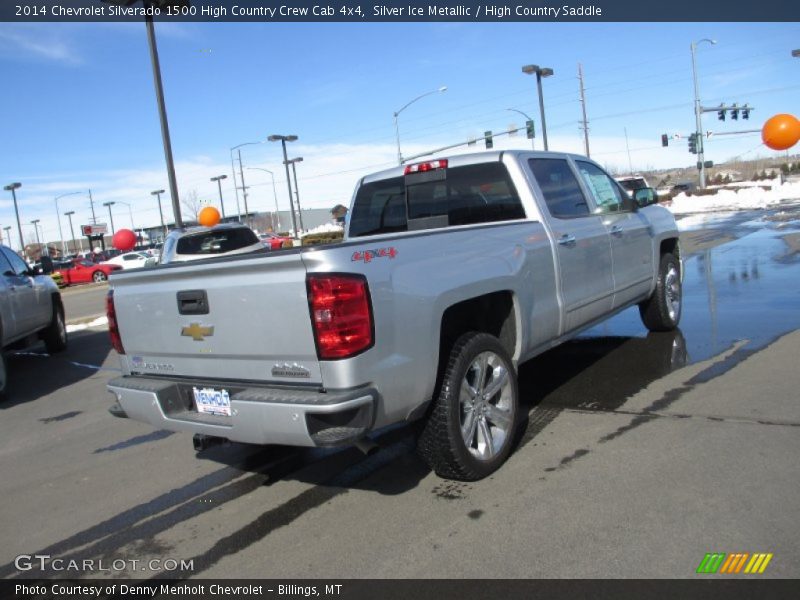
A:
[113,327]
[340,314]
[424,167]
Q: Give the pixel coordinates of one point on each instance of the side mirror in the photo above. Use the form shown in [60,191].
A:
[645,197]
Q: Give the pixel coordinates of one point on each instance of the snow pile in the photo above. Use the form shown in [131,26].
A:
[100,321]
[746,198]
[324,228]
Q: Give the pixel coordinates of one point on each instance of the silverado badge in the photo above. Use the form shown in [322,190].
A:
[197,332]
[287,370]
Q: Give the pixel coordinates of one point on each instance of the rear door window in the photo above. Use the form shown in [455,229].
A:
[560,188]
[481,193]
[606,193]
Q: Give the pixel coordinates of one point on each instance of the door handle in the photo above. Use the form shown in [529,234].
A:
[616,230]
[566,240]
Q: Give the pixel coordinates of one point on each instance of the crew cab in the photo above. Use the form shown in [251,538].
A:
[452,273]
[30,310]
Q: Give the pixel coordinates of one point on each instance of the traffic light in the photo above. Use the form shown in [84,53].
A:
[530,130]
[693,143]
[745,112]
[721,114]
[664,139]
[487,137]
[735,113]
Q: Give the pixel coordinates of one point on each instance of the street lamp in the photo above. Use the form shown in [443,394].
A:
[293,162]
[698,112]
[397,127]
[12,187]
[110,216]
[219,179]
[69,214]
[35,224]
[58,216]
[283,139]
[8,233]
[275,194]
[527,117]
[130,213]
[160,212]
[540,72]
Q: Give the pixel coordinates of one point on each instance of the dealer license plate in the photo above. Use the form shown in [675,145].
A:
[212,402]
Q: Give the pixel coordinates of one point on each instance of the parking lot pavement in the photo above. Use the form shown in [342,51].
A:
[84,302]
[641,453]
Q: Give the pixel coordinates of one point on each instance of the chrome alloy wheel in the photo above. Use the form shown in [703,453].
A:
[672,293]
[486,403]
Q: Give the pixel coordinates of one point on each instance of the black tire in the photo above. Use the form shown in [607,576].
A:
[99,276]
[662,311]
[3,377]
[55,336]
[450,442]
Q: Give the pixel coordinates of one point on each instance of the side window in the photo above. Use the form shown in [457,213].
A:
[606,193]
[17,264]
[560,188]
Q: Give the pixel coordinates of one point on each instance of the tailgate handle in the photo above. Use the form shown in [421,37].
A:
[193,302]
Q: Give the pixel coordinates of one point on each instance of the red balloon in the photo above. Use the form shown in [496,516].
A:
[781,132]
[208,217]
[124,239]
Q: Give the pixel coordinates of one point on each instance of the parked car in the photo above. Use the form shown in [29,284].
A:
[452,273]
[81,270]
[30,310]
[274,241]
[195,243]
[129,260]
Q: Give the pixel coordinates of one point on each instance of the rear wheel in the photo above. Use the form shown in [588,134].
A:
[470,430]
[55,336]
[3,376]
[662,311]
[98,276]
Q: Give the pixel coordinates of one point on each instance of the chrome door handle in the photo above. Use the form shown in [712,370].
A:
[616,230]
[566,240]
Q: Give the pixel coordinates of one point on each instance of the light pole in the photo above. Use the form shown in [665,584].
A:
[293,162]
[698,111]
[110,216]
[275,194]
[130,213]
[12,187]
[533,145]
[540,72]
[241,176]
[397,113]
[283,139]
[160,212]
[35,224]
[58,215]
[69,214]
[8,234]
[219,179]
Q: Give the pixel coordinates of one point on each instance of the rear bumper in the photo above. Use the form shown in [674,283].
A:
[259,415]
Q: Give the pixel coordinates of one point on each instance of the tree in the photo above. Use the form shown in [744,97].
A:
[192,204]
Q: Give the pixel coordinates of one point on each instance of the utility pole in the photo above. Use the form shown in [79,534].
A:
[585,125]
[628,148]
[244,188]
[698,111]
[91,203]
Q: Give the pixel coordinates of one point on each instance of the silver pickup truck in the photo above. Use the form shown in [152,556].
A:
[30,310]
[452,273]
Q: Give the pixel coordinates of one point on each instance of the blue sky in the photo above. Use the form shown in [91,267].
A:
[80,109]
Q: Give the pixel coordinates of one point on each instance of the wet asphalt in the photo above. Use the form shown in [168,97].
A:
[640,452]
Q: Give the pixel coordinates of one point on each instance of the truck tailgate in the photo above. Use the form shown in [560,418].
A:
[242,320]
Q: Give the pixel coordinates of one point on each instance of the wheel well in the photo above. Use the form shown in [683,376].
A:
[492,313]
[670,245]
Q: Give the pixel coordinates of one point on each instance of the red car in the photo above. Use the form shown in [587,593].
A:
[273,240]
[80,270]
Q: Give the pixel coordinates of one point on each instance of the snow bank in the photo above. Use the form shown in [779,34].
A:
[746,198]
[324,228]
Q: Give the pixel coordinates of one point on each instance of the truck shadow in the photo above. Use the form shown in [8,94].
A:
[33,374]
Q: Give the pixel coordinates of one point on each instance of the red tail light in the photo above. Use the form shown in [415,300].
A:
[113,328]
[340,314]
[423,167]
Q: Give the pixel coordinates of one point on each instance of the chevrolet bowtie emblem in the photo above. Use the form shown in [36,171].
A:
[197,332]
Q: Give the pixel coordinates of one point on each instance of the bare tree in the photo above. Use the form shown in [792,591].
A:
[192,204]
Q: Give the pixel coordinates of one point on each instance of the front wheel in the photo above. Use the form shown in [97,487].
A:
[662,311]
[99,276]
[471,427]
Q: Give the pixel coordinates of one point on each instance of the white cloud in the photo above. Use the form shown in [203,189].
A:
[44,43]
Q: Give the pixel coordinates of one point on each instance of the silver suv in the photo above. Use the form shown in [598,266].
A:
[30,310]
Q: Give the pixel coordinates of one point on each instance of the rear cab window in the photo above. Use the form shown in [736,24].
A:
[466,195]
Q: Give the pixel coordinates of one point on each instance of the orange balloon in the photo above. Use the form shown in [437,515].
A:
[208,216]
[781,132]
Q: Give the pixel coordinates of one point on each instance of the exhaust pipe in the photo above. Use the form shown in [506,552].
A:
[367,446]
